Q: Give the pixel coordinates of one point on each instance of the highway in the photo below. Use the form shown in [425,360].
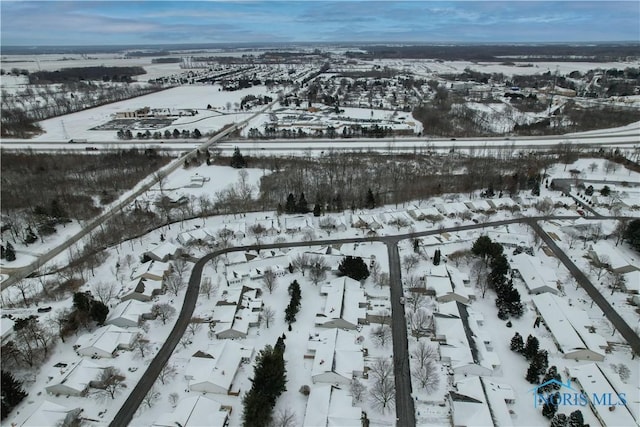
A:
[405,412]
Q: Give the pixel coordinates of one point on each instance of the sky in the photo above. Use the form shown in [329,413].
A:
[88,22]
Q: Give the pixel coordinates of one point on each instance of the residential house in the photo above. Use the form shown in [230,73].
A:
[105,341]
[337,357]
[75,380]
[592,381]
[163,252]
[571,328]
[535,276]
[213,370]
[129,313]
[329,405]
[345,305]
[195,411]
[295,224]
[606,253]
[50,414]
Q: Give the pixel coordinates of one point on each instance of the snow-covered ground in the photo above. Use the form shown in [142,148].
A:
[513,366]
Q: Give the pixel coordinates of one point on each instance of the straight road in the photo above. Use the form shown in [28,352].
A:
[405,411]
[618,322]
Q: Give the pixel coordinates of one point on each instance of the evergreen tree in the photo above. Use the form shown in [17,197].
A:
[82,302]
[436,257]
[532,374]
[12,393]
[481,247]
[196,134]
[9,252]
[550,407]
[2,253]
[517,343]
[353,267]
[371,200]
[575,419]
[99,312]
[559,420]
[237,160]
[269,381]
[531,347]
[552,374]
[303,206]
[290,206]
[339,204]
[316,210]
[30,236]
[632,234]
[541,362]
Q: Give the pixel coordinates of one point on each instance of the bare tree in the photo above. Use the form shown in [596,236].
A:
[418,300]
[185,341]
[381,334]
[142,345]
[180,267]
[410,262]
[420,322]
[194,326]
[257,231]
[268,314]
[427,376]
[163,311]
[25,287]
[110,382]
[374,271]
[167,372]
[151,397]
[412,281]
[207,288]
[424,353]
[381,368]
[318,269]
[270,280]
[357,389]
[383,279]
[284,418]
[620,230]
[458,256]
[174,283]
[383,393]
[174,398]
[104,291]
[300,262]
[481,276]
[615,281]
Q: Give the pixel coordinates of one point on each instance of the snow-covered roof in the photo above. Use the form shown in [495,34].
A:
[536,277]
[608,253]
[106,340]
[219,369]
[344,297]
[331,407]
[569,325]
[470,406]
[130,311]
[76,378]
[298,222]
[508,238]
[498,395]
[594,382]
[6,327]
[47,414]
[631,282]
[151,270]
[162,251]
[141,286]
[336,351]
[195,411]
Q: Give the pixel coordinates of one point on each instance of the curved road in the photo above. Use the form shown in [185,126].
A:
[405,412]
